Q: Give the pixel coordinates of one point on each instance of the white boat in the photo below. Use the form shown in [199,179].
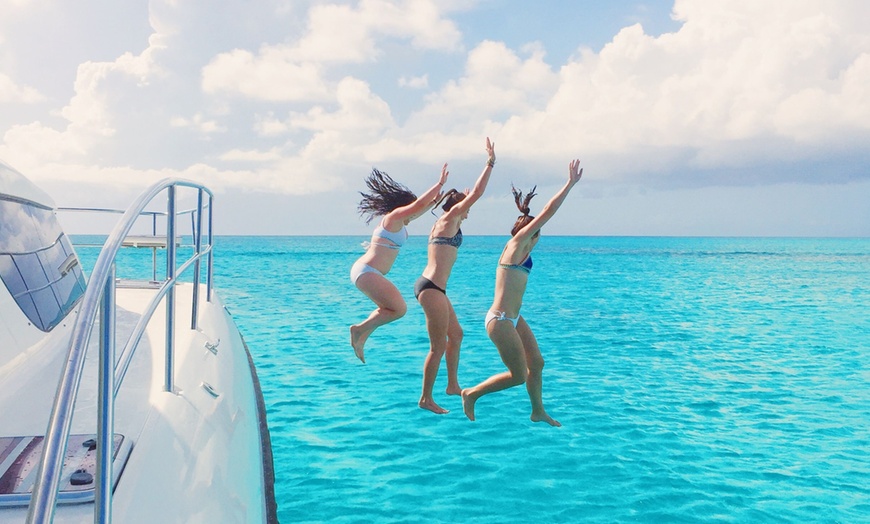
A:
[157,366]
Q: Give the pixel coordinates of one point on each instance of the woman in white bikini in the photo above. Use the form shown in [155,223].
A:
[445,333]
[398,206]
[505,326]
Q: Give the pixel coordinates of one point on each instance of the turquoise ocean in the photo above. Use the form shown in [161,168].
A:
[697,380]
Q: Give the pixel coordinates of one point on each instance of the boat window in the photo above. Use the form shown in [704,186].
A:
[37,263]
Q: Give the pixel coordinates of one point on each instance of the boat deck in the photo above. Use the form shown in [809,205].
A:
[202,422]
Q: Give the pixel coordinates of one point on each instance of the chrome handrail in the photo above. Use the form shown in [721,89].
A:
[100,294]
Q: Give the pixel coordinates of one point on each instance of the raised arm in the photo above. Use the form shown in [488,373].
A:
[423,203]
[480,186]
[574,174]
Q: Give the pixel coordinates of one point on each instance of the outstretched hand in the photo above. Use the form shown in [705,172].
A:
[490,150]
[444,174]
[574,171]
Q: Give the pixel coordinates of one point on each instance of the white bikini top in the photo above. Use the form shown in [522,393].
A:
[398,238]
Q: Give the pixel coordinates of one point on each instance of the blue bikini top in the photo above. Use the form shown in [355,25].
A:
[525,266]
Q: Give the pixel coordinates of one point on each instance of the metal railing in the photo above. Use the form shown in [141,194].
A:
[100,295]
[153,215]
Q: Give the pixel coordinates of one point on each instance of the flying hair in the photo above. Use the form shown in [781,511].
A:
[518,195]
[385,195]
[523,205]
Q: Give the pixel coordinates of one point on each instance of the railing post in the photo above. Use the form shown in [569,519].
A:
[208,278]
[106,404]
[154,249]
[170,293]
[197,232]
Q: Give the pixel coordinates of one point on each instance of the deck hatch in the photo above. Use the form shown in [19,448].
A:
[19,461]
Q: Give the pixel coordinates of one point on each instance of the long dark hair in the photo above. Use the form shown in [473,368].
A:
[385,195]
[523,205]
[450,199]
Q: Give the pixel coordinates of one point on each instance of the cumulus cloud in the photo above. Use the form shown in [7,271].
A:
[269,125]
[359,111]
[198,122]
[89,117]
[10,92]
[497,84]
[267,76]
[415,82]
[335,34]
[738,83]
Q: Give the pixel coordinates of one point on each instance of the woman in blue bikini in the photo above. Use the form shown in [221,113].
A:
[445,333]
[505,326]
[398,206]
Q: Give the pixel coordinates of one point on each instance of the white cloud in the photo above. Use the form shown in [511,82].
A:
[239,155]
[421,20]
[199,123]
[12,93]
[497,84]
[815,114]
[347,34]
[10,4]
[90,117]
[336,34]
[269,125]
[414,82]
[267,76]
[30,146]
[771,83]
[360,111]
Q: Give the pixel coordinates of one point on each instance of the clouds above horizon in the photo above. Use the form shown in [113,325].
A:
[302,97]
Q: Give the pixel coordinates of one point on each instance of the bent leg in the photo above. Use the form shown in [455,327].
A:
[534,383]
[391,306]
[437,309]
[510,348]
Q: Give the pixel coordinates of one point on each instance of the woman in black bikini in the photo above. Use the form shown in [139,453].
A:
[445,333]
[505,326]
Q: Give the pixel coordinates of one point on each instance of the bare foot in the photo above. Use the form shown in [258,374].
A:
[468,404]
[543,417]
[454,389]
[358,341]
[432,406]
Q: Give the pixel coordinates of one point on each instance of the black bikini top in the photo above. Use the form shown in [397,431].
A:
[455,240]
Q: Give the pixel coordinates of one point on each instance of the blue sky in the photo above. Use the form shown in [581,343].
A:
[693,117]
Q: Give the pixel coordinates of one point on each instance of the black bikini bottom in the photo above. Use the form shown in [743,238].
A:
[424,283]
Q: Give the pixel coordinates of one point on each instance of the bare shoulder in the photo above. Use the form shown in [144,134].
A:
[393,221]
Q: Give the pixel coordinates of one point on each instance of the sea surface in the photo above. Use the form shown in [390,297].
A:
[697,380]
